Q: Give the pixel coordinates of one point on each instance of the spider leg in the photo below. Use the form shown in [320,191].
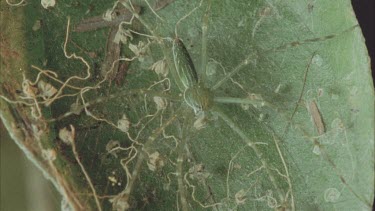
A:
[186,16]
[205,24]
[293,44]
[217,111]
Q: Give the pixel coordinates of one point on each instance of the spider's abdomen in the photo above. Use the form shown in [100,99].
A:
[185,71]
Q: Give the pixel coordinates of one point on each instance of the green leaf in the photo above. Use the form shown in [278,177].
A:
[291,126]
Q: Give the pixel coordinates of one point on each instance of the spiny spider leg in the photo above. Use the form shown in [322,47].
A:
[253,55]
[205,24]
[186,16]
[252,144]
[289,119]
[180,161]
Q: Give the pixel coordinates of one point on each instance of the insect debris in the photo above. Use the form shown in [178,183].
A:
[316,117]
[113,48]
[98,22]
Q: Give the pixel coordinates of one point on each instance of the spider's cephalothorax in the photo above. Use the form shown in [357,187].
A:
[196,95]
[199,97]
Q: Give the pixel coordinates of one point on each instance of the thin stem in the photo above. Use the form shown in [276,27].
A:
[187,15]
[180,177]
[234,71]
[235,100]
[205,25]
[252,144]
[128,5]
[153,11]
[303,86]
[87,177]
[180,159]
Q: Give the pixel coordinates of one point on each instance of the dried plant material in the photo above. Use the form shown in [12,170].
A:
[113,179]
[18,4]
[109,19]
[28,90]
[76,108]
[37,25]
[109,15]
[155,161]
[67,136]
[201,121]
[46,90]
[160,4]
[245,106]
[123,124]
[240,197]
[49,154]
[122,36]
[258,100]
[111,146]
[198,172]
[120,204]
[139,50]
[48,3]
[37,131]
[35,112]
[316,117]
[161,103]
[160,68]
[113,49]
[122,72]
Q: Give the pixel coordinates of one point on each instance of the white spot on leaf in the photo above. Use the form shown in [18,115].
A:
[277,90]
[211,68]
[48,3]
[331,195]
[316,150]
[317,60]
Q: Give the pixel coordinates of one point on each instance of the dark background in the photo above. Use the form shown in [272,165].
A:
[365,11]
